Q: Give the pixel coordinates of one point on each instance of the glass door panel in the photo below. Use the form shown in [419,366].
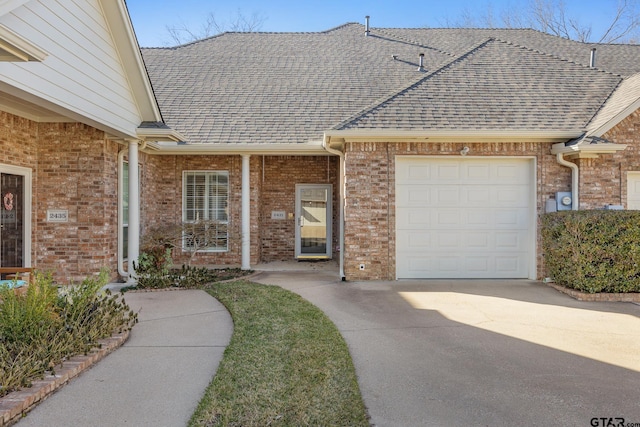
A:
[12,220]
[313,226]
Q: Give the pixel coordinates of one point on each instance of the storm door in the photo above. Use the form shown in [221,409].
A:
[12,220]
[313,221]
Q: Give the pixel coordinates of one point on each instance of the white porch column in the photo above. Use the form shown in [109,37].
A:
[134,208]
[246,213]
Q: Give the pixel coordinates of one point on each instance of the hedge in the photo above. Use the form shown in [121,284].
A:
[593,251]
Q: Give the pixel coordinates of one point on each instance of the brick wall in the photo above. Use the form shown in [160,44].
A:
[604,180]
[370,198]
[77,172]
[271,188]
[281,174]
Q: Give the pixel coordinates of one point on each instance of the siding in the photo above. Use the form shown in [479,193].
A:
[82,72]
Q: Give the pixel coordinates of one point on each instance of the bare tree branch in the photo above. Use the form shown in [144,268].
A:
[550,16]
[183,33]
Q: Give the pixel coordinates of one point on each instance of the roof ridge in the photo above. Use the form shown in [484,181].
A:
[386,99]
[409,41]
[226,33]
[554,56]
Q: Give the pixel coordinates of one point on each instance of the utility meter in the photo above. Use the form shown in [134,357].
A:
[564,200]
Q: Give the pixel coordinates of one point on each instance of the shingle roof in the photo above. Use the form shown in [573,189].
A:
[292,87]
[496,86]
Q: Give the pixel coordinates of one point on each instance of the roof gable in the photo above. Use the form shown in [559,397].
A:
[496,86]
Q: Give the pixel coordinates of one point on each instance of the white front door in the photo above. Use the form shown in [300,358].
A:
[313,221]
[15,216]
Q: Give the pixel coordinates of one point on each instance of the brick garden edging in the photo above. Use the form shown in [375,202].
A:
[15,405]
[599,297]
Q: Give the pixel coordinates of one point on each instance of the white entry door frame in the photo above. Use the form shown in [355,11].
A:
[313,221]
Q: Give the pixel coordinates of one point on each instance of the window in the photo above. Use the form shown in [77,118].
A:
[205,211]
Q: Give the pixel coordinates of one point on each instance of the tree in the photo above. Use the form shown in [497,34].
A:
[211,26]
[550,16]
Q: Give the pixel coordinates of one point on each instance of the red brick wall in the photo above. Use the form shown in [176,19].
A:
[77,172]
[271,240]
[370,198]
[604,180]
[281,174]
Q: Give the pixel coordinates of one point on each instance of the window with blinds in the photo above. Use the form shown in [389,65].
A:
[205,207]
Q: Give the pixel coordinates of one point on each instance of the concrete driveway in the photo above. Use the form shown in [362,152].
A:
[481,353]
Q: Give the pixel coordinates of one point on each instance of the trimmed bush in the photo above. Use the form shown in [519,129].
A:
[593,251]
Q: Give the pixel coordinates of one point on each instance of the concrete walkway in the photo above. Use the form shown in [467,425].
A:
[157,377]
[480,352]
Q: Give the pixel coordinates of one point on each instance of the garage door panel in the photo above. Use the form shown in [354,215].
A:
[431,243]
[452,266]
[465,218]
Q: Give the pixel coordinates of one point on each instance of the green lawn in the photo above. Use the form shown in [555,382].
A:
[286,365]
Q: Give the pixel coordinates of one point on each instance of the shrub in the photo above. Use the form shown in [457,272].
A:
[152,268]
[593,251]
[40,329]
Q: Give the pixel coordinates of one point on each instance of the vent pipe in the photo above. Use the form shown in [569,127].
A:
[366,25]
[592,60]
[421,63]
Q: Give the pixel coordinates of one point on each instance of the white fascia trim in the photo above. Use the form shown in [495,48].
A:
[283,149]
[587,148]
[157,135]
[612,122]
[454,135]
[124,36]
[19,48]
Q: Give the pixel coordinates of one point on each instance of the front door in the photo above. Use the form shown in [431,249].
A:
[313,221]
[12,220]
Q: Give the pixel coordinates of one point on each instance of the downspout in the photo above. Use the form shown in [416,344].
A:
[341,207]
[574,179]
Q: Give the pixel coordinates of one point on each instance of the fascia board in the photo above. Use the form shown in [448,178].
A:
[611,123]
[479,136]
[587,148]
[310,148]
[131,58]
[18,47]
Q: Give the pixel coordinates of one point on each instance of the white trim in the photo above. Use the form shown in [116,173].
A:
[277,149]
[134,208]
[121,270]
[246,212]
[373,135]
[124,36]
[587,150]
[328,221]
[27,173]
[18,47]
[208,172]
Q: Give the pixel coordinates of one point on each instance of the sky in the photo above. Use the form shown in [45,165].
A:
[152,17]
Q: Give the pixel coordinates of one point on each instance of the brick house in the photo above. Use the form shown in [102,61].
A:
[404,153]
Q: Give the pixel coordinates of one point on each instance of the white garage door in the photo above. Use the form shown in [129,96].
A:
[464,217]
